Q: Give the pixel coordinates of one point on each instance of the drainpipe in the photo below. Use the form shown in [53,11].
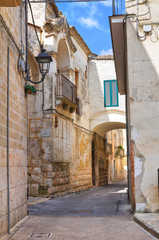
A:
[127,111]
[26,41]
[8,187]
[127,118]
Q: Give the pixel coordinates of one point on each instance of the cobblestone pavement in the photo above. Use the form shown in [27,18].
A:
[96,214]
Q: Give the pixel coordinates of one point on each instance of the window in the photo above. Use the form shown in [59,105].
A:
[110,93]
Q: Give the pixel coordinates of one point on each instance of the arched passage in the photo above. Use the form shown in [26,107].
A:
[104,121]
[103,128]
[111,166]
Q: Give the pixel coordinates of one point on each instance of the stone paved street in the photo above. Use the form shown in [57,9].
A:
[99,213]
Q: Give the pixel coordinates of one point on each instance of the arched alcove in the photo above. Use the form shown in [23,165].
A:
[63,59]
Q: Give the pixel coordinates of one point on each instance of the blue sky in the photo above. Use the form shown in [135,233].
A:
[92,22]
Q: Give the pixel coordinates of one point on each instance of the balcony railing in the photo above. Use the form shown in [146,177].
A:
[65,89]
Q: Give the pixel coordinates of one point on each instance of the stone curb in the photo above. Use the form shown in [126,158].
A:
[147,227]
[15,229]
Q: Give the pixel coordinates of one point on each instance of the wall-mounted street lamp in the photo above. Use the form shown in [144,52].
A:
[44,61]
[43,58]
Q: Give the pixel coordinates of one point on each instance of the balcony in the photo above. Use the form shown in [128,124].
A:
[65,93]
[10,3]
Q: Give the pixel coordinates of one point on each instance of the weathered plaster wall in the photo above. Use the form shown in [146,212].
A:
[100,161]
[143,74]
[81,64]
[17,127]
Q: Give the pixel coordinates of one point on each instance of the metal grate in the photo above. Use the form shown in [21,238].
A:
[40,235]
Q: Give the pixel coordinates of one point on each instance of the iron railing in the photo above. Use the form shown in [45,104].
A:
[65,88]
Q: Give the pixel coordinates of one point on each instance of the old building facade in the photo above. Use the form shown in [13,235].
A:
[60,140]
[13,120]
[137,35]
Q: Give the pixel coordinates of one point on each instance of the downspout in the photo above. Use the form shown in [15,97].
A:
[127,113]
[26,67]
[26,41]
[8,187]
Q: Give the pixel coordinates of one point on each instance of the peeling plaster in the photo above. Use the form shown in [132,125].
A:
[140,207]
[138,166]
[135,134]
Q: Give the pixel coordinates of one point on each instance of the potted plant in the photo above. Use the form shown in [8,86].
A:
[30,89]
[119,152]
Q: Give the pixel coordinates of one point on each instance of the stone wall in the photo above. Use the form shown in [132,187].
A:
[59,163]
[17,126]
[100,162]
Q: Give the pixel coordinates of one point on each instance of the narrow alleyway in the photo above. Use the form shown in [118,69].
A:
[100,213]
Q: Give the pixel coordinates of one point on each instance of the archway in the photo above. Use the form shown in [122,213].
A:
[112,166]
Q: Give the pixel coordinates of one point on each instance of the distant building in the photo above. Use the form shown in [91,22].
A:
[107,115]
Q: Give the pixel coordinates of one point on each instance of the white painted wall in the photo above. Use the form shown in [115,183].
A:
[143,75]
[100,70]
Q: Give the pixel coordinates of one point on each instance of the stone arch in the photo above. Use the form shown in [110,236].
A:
[106,121]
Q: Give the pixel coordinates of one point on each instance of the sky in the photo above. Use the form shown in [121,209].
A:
[92,22]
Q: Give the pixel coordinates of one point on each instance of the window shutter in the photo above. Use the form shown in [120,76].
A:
[107,92]
[110,93]
[114,93]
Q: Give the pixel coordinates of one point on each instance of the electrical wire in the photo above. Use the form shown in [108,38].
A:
[63,1]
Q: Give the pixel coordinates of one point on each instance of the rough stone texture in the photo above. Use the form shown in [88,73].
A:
[17,126]
[60,165]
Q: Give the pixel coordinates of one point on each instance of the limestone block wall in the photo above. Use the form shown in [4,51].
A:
[143,75]
[59,157]
[17,126]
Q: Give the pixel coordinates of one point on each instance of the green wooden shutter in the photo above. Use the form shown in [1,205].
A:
[110,93]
